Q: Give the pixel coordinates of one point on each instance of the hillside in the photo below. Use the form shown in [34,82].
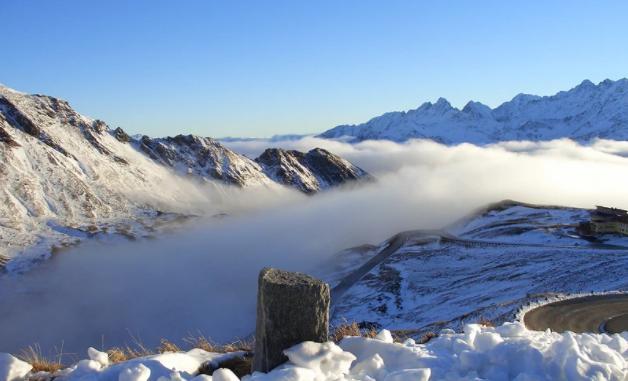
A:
[483,267]
[65,177]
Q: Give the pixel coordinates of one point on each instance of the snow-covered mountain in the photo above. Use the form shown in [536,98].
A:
[309,172]
[583,113]
[64,176]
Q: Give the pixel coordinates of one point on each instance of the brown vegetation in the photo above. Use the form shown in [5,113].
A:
[427,337]
[39,362]
[485,322]
[351,329]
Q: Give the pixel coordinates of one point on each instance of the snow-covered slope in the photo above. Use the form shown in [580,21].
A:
[485,266]
[583,113]
[64,177]
[309,172]
[203,157]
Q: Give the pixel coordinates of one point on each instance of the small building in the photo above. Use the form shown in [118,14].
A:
[605,220]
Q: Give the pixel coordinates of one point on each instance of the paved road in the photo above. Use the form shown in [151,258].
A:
[602,313]
[394,244]
[428,236]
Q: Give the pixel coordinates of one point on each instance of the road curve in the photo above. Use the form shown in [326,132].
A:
[394,244]
[596,313]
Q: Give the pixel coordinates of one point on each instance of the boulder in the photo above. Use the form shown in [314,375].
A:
[291,308]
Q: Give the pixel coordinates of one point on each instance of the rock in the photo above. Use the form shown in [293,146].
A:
[121,135]
[6,138]
[13,369]
[19,119]
[309,172]
[291,308]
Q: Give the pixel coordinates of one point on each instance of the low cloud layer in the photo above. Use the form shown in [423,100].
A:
[204,279]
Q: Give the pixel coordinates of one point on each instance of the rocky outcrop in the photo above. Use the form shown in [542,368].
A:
[121,135]
[309,172]
[17,118]
[205,158]
[5,137]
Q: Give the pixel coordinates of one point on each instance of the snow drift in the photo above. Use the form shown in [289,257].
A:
[507,352]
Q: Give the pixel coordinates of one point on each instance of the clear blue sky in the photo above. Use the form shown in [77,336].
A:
[257,68]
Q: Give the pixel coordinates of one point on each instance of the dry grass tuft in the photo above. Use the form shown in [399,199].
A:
[485,322]
[351,329]
[427,337]
[120,354]
[168,346]
[202,342]
[39,362]
[238,345]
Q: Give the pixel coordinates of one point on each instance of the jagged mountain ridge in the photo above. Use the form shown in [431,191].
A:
[187,154]
[64,176]
[308,172]
[203,157]
[586,112]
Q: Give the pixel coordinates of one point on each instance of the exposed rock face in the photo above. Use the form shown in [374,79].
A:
[291,308]
[204,157]
[4,135]
[309,172]
[121,135]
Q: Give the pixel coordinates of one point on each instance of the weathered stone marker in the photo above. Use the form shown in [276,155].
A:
[291,308]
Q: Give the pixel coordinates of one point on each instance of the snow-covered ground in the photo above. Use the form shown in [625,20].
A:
[485,267]
[507,352]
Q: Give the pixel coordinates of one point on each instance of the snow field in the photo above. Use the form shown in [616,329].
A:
[507,352]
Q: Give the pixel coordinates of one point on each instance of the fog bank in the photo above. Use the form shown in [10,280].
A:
[203,279]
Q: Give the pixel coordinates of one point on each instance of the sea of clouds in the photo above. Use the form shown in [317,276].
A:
[203,279]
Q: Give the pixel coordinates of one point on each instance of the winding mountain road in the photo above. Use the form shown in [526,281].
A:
[596,313]
[602,313]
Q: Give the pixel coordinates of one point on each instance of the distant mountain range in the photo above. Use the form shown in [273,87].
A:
[586,112]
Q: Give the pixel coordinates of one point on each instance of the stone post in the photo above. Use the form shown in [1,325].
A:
[291,308]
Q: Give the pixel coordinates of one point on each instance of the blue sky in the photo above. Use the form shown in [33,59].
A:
[245,68]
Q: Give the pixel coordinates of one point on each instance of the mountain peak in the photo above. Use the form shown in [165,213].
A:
[523,98]
[586,84]
[585,112]
[477,109]
[309,172]
[443,104]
